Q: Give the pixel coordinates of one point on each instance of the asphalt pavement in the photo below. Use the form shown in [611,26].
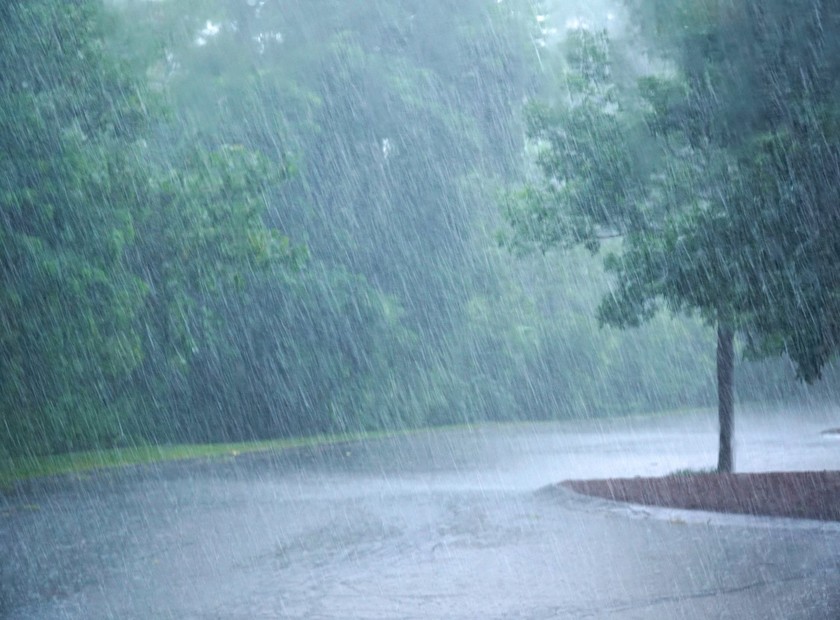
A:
[460,524]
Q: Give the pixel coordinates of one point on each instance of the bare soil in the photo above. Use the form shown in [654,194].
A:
[802,495]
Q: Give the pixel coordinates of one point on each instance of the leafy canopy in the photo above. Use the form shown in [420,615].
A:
[717,173]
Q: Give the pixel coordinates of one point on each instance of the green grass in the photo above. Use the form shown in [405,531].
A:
[24,468]
[694,472]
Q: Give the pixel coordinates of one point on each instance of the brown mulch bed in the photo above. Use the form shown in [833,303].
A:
[803,495]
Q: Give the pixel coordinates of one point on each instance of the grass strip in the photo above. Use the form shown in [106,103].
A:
[24,468]
[18,469]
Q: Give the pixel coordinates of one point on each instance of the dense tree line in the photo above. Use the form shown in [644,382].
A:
[231,220]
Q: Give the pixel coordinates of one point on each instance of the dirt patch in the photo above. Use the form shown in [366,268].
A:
[803,495]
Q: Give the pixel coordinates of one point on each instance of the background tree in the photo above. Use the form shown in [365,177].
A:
[159,157]
[108,254]
[68,299]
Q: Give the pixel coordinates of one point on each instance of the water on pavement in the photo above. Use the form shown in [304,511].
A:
[441,524]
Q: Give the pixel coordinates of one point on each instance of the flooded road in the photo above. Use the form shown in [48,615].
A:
[441,524]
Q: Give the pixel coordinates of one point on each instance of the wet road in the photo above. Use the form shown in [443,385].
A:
[446,524]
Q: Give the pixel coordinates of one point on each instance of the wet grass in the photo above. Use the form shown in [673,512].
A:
[25,468]
[18,469]
[694,472]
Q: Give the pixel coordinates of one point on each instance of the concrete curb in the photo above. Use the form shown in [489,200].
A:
[681,516]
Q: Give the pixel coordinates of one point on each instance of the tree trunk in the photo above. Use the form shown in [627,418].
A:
[726,413]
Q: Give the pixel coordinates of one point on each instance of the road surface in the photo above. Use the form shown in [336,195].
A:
[445,524]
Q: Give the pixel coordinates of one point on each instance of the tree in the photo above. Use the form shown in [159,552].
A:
[758,85]
[718,203]
[113,249]
[201,238]
[68,298]
[606,180]
[386,111]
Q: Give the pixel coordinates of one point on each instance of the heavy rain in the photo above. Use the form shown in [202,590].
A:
[419,309]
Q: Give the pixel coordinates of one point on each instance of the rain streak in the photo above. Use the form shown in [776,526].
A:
[408,309]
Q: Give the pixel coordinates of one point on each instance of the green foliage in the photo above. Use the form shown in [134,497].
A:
[707,222]
[108,258]
[68,296]
[759,101]
[233,222]
[716,174]
[382,124]
[600,177]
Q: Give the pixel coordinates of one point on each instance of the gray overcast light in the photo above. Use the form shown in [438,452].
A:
[408,309]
